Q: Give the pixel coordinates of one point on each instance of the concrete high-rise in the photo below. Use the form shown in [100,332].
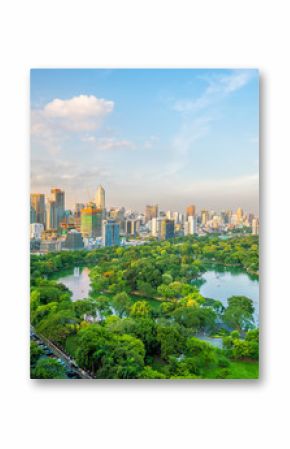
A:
[37,203]
[151,211]
[100,198]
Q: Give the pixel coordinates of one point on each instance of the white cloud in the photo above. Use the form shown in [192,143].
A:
[77,114]
[217,88]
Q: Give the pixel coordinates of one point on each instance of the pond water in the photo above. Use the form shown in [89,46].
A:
[217,283]
[78,282]
[222,282]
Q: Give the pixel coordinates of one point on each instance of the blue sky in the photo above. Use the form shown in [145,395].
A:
[167,136]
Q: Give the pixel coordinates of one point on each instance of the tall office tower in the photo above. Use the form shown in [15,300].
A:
[240,215]
[111,233]
[51,215]
[255,226]
[190,211]
[91,221]
[132,226]
[170,215]
[166,229]
[58,196]
[100,198]
[151,212]
[192,226]
[32,215]
[37,201]
[204,217]
[36,229]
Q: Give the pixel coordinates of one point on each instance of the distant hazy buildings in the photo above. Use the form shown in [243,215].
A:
[190,211]
[132,227]
[111,233]
[255,226]
[151,212]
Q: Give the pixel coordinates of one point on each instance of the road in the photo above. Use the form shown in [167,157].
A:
[62,355]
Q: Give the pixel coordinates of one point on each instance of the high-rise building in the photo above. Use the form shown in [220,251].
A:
[204,216]
[111,233]
[155,227]
[255,226]
[91,221]
[51,215]
[166,229]
[240,215]
[151,211]
[74,240]
[37,202]
[192,228]
[100,198]
[32,215]
[58,196]
[190,211]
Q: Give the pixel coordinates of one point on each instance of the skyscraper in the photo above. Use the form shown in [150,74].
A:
[100,198]
[166,229]
[91,221]
[151,211]
[37,202]
[190,211]
[111,233]
[240,215]
[204,217]
[51,215]
[58,196]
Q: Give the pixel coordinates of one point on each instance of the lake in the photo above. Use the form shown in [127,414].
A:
[222,282]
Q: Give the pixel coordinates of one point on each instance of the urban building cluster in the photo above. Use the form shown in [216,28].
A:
[92,225]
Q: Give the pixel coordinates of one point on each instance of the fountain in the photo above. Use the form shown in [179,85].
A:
[76,272]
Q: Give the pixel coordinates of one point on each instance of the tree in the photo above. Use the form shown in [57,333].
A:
[58,326]
[150,373]
[239,313]
[47,368]
[170,339]
[140,309]
[35,352]
[121,303]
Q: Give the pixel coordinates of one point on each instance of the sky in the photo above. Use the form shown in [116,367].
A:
[171,137]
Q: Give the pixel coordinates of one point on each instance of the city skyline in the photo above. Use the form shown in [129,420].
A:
[171,137]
